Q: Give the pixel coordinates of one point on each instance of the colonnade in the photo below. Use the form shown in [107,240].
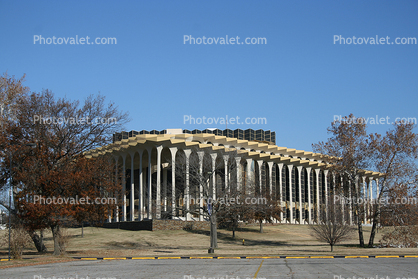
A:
[153,185]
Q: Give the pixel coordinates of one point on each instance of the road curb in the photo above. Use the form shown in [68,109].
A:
[237,257]
[244,257]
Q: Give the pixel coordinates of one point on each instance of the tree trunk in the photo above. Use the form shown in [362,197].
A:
[38,241]
[42,239]
[233,232]
[360,228]
[261,226]
[374,226]
[332,247]
[213,232]
[82,229]
[56,235]
[358,216]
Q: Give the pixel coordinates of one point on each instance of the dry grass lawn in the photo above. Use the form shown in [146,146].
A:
[276,240]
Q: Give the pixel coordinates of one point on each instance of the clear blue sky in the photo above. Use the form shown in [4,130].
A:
[298,81]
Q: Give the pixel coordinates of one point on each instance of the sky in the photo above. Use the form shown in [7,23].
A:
[295,82]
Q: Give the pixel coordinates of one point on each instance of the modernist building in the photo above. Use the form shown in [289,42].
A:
[152,186]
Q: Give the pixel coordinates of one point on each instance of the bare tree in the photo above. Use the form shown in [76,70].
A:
[395,154]
[225,198]
[207,197]
[236,212]
[333,227]
[265,209]
[11,90]
[348,154]
[350,151]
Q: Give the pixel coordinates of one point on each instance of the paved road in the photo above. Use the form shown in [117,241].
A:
[225,268]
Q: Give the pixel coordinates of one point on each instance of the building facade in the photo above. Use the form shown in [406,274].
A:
[154,187]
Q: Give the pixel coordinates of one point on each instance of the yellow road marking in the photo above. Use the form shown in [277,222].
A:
[258,270]
[265,257]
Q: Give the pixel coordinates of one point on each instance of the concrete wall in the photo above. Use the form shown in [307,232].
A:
[156,225]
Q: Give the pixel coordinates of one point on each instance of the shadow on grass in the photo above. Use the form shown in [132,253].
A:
[254,229]
[129,245]
[366,246]
[248,242]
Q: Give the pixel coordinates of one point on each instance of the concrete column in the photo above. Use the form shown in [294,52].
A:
[149,210]
[350,206]
[308,171]
[290,167]
[260,177]
[270,183]
[116,217]
[248,186]
[164,193]
[213,156]
[238,164]
[173,151]
[326,193]
[317,196]
[226,158]
[299,168]
[342,197]
[132,195]
[145,185]
[109,213]
[364,199]
[158,190]
[141,189]
[124,188]
[201,154]
[280,167]
[187,190]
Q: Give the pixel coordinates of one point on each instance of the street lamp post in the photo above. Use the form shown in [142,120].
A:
[11,192]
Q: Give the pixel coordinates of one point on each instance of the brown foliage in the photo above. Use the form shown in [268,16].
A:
[401,237]
[62,130]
